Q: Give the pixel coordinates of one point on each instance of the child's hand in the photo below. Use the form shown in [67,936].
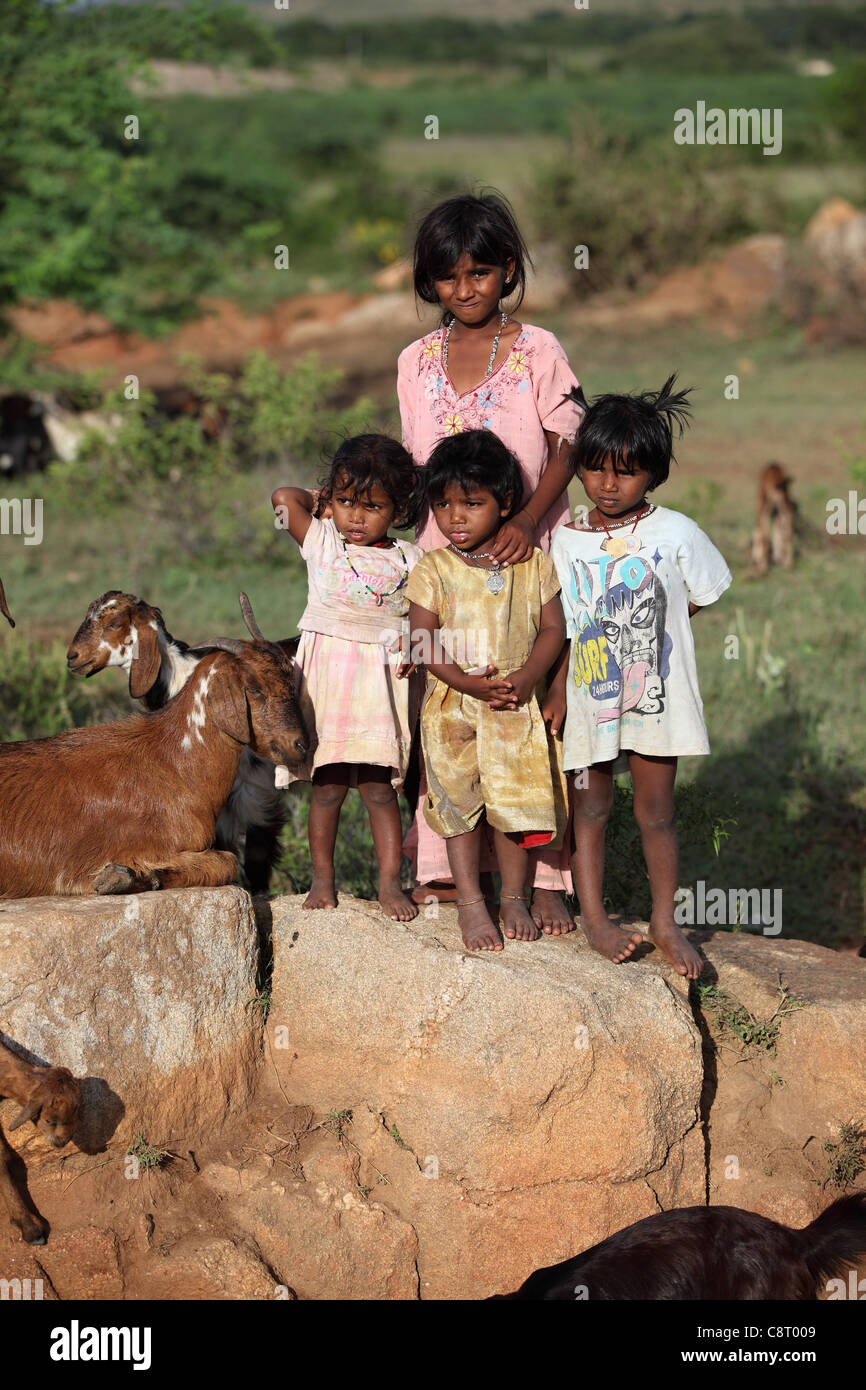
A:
[516,540]
[522,685]
[496,693]
[321,509]
[553,709]
[407,666]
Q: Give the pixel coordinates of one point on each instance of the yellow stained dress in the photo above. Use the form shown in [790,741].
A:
[503,763]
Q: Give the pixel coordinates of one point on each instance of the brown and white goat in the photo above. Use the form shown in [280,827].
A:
[3,609]
[51,1098]
[773,536]
[133,805]
[122,630]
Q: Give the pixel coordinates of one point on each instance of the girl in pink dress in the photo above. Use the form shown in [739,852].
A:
[483,369]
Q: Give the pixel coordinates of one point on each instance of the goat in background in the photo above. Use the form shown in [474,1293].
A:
[51,1098]
[124,631]
[132,806]
[773,536]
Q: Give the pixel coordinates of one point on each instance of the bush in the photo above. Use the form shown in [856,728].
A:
[706,46]
[38,696]
[189,489]
[643,216]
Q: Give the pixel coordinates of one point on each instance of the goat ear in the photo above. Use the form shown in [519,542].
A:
[227,702]
[30,1112]
[290,646]
[145,664]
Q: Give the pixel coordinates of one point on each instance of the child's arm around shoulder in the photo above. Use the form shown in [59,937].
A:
[294,507]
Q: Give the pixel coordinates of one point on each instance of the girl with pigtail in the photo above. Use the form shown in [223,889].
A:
[633,575]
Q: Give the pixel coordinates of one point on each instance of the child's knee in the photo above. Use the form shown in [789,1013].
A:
[655,815]
[377,793]
[329,794]
[593,806]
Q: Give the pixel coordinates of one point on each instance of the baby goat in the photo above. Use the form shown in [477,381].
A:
[50,1097]
[124,631]
[133,805]
[709,1253]
[3,609]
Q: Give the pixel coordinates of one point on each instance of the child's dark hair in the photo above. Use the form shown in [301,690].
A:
[370,460]
[635,431]
[479,225]
[475,459]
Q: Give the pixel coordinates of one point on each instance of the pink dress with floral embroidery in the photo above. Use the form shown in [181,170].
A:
[521,399]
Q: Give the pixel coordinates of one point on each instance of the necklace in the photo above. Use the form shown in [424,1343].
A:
[495,583]
[616,546]
[502,322]
[378,597]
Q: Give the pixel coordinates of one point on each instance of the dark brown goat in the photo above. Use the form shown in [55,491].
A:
[710,1253]
[124,631]
[3,609]
[51,1098]
[133,805]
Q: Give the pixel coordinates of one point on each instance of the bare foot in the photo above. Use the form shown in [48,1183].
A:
[322,893]
[607,939]
[550,913]
[440,890]
[516,921]
[673,944]
[477,929]
[393,900]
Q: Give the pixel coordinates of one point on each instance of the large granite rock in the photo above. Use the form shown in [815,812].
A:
[774,1104]
[146,998]
[543,1096]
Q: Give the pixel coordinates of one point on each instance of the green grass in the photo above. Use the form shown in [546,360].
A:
[846,1156]
[734,1021]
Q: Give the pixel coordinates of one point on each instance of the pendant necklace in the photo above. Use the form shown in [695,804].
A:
[378,597]
[495,583]
[502,322]
[617,546]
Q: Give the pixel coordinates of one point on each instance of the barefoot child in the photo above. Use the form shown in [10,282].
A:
[482,369]
[487,752]
[358,709]
[633,575]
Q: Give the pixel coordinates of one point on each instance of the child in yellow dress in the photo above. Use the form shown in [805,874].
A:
[488,637]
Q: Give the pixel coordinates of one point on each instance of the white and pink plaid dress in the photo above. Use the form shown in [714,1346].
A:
[355,707]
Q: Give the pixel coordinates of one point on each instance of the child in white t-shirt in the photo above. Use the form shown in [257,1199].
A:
[632,575]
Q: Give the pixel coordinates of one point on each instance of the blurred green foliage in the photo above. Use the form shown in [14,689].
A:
[186,486]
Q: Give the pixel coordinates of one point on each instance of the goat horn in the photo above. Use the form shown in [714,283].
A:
[222,644]
[30,1111]
[3,609]
[249,618]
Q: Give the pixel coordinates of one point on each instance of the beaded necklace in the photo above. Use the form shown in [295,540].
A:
[615,546]
[378,597]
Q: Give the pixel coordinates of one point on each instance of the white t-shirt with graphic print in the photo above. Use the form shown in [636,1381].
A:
[632,680]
